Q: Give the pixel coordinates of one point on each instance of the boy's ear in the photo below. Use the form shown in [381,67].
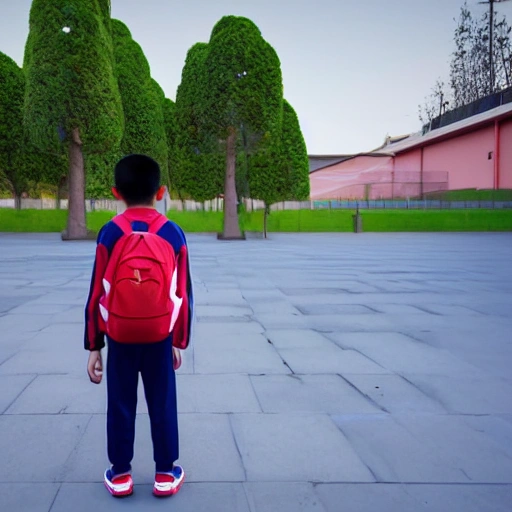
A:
[116,194]
[161,193]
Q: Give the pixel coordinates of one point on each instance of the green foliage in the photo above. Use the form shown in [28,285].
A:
[169,116]
[198,160]
[70,77]
[266,179]
[100,174]
[232,83]
[294,156]
[169,112]
[161,143]
[20,161]
[12,85]
[279,169]
[105,9]
[142,99]
[244,80]
[45,168]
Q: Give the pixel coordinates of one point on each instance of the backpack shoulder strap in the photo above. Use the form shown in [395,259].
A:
[122,222]
[157,224]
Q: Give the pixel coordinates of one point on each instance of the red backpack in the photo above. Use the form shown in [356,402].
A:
[139,304]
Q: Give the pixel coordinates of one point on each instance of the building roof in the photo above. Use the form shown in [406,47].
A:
[324,163]
[417,140]
[396,145]
[317,162]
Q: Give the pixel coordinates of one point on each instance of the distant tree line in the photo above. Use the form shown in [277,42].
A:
[473,74]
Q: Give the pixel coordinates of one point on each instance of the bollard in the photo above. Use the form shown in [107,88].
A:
[358,222]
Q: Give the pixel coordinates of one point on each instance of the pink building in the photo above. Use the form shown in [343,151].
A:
[473,153]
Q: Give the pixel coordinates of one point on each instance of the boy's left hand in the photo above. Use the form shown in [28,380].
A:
[95,366]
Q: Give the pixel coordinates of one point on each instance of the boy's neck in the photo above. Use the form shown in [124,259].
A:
[139,206]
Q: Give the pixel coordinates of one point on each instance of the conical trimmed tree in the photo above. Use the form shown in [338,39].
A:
[72,97]
[198,160]
[12,89]
[142,99]
[294,155]
[245,92]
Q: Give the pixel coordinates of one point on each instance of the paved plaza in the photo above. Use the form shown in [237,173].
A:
[328,373]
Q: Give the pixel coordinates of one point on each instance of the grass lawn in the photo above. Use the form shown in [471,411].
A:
[291,221]
[45,221]
[437,220]
[384,220]
[472,194]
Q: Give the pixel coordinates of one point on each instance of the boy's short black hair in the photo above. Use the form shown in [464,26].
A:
[137,179]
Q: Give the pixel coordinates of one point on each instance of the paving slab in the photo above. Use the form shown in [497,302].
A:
[462,498]
[310,393]
[208,449]
[36,361]
[403,354]
[281,321]
[74,315]
[283,497]
[398,309]
[222,311]
[298,338]
[237,354]
[209,331]
[229,393]
[356,322]
[367,498]
[394,454]
[27,497]
[332,360]
[336,309]
[59,394]
[199,497]
[395,394]
[270,306]
[293,447]
[466,394]
[35,448]
[10,303]
[40,309]
[476,453]
[12,325]
[11,386]
[230,297]
[497,428]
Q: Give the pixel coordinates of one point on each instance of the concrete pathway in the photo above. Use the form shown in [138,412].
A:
[328,373]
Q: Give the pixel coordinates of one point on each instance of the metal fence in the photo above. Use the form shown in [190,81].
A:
[421,204]
[255,205]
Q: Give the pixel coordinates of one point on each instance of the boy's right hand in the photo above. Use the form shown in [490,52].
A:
[95,366]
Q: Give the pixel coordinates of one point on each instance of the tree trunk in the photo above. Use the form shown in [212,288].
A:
[231,226]
[57,198]
[77,229]
[265,220]
[17,201]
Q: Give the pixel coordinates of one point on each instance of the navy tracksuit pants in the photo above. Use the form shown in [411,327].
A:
[155,364]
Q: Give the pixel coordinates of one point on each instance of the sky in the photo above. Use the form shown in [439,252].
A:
[354,70]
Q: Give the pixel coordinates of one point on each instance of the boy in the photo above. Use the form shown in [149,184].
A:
[141,299]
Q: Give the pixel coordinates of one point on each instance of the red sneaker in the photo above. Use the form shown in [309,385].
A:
[168,484]
[118,485]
